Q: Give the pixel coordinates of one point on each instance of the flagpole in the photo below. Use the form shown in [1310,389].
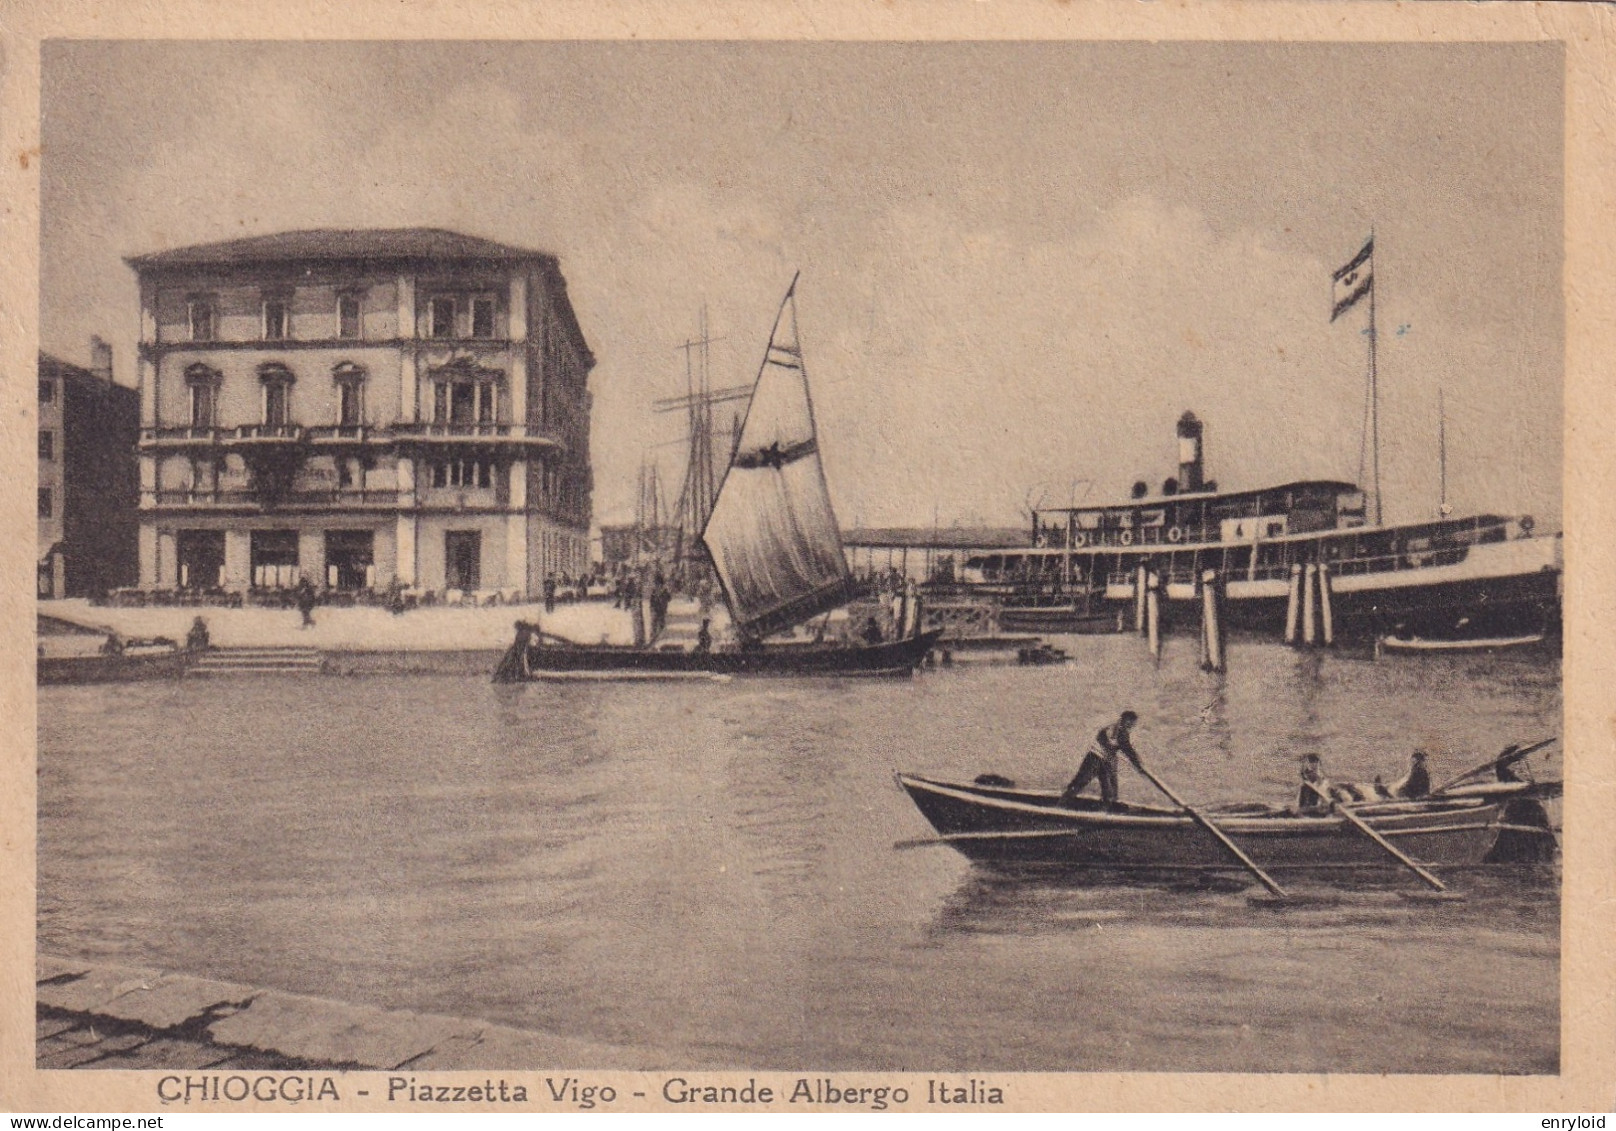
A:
[1374,387]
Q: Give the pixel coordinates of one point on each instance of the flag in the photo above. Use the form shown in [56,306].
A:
[1353,281]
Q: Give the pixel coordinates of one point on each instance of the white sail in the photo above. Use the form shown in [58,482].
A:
[772,534]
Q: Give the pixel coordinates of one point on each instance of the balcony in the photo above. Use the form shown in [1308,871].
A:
[181,437]
[328,436]
[342,498]
[476,434]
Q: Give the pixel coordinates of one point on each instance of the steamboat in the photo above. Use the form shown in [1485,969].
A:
[1455,579]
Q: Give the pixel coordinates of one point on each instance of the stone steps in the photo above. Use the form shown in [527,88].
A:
[258,661]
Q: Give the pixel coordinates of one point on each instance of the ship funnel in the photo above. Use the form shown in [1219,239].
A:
[1190,465]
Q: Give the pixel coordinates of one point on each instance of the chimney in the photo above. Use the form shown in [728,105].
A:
[100,358]
[1189,454]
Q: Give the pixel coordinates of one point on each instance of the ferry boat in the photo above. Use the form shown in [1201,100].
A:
[1484,576]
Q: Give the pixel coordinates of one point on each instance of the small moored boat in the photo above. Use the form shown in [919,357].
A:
[165,663]
[1421,644]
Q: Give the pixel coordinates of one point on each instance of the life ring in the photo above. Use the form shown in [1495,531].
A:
[1175,534]
[1079,539]
[1126,538]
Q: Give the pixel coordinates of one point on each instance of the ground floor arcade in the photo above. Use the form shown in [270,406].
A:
[469,552]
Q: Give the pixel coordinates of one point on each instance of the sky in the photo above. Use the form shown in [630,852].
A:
[1020,262]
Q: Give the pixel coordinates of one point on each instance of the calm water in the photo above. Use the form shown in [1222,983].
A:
[710,869]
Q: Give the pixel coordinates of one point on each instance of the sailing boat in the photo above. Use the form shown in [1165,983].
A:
[777,549]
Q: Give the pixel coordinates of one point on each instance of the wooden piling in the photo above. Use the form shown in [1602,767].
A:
[1310,633]
[1293,604]
[1140,579]
[1326,613]
[1153,614]
[1212,649]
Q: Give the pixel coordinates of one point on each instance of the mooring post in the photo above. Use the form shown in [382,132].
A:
[1310,633]
[1326,613]
[1293,604]
[1212,658]
[1153,587]
[1140,578]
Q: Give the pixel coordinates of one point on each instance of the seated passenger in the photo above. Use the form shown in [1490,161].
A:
[1316,794]
[1417,782]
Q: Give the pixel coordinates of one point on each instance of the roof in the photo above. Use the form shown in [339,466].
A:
[332,244]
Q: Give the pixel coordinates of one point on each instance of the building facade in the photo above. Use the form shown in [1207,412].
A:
[87,482]
[361,409]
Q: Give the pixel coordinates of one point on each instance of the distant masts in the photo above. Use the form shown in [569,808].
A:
[702,473]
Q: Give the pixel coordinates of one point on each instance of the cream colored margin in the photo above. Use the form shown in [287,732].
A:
[1588,1080]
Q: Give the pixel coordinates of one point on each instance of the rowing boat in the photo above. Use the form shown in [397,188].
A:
[996,823]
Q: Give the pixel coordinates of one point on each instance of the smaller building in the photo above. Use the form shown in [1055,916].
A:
[89,486]
[923,554]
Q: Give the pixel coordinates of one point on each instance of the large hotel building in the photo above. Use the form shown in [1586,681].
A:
[361,409]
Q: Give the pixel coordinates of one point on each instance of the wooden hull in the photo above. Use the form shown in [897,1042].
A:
[1420,644]
[896,658]
[1003,825]
[1059,620]
[112,669]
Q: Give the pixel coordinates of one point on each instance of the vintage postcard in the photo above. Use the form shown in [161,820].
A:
[968,558]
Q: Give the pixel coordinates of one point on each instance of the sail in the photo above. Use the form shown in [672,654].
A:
[772,534]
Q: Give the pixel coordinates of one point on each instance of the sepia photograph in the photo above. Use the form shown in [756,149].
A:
[890,565]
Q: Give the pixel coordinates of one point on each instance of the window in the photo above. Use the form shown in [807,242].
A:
[465,402]
[201,406]
[443,318]
[482,317]
[350,473]
[350,404]
[201,315]
[462,402]
[348,325]
[275,407]
[277,318]
[47,392]
[350,379]
[45,508]
[274,559]
[204,385]
[47,444]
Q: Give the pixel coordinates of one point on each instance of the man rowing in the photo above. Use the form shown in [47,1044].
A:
[1100,762]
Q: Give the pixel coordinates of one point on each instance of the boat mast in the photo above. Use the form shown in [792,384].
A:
[1374,388]
[1443,509]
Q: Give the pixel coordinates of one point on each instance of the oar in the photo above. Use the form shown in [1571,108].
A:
[1514,756]
[1206,823]
[1363,826]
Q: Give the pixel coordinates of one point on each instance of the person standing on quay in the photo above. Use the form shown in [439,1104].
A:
[305,602]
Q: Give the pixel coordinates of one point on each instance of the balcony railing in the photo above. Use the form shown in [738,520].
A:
[282,433]
[319,433]
[179,436]
[337,434]
[473,433]
[240,497]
